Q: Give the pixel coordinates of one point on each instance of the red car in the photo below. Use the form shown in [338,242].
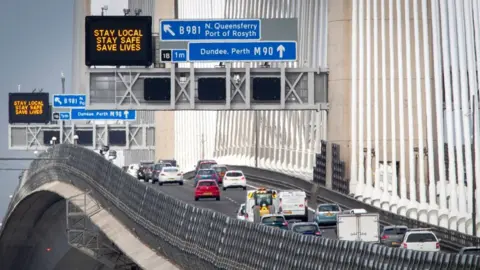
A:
[207,189]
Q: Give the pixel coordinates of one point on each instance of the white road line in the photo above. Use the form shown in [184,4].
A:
[309,208]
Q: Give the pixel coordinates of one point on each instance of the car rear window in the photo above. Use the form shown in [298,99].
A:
[206,165]
[273,219]
[472,251]
[395,231]
[170,169]
[421,238]
[328,208]
[158,166]
[234,174]
[206,183]
[305,228]
[206,172]
[221,169]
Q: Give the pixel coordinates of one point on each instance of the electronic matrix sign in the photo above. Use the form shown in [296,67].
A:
[28,108]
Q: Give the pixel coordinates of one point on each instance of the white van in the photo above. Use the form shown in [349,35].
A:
[293,204]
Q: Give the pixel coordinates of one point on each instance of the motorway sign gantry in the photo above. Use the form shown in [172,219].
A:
[69,101]
[234,29]
[82,114]
[242,51]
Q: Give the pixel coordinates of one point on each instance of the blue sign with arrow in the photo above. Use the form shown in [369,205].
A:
[242,51]
[82,114]
[184,30]
[69,101]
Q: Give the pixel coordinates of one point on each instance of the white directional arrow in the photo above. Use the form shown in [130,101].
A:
[168,29]
[280,50]
[57,100]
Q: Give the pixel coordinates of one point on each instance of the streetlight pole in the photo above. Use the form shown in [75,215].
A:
[256,138]
[474,184]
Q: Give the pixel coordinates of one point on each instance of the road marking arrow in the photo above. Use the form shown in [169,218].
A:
[57,100]
[168,28]
[280,50]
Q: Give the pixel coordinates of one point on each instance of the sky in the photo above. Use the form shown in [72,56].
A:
[36,42]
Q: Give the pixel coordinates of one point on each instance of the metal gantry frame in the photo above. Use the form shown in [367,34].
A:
[30,137]
[301,88]
[83,235]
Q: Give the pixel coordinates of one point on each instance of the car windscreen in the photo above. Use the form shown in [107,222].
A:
[234,174]
[395,231]
[158,166]
[206,172]
[273,219]
[206,165]
[310,228]
[206,184]
[421,238]
[328,208]
[221,169]
[170,169]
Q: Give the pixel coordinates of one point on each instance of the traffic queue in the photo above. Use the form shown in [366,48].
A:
[287,209]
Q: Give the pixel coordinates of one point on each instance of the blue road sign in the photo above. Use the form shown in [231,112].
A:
[69,101]
[64,116]
[178,30]
[179,55]
[82,114]
[242,51]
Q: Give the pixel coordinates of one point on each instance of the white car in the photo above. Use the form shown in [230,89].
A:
[421,240]
[241,213]
[234,179]
[133,170]
[170,175]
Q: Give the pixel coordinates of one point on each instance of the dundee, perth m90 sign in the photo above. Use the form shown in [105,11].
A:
[118,41]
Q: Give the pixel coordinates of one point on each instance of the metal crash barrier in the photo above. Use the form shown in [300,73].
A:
[196,238]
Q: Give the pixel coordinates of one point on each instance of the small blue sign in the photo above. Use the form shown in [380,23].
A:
[179,55]
[64,116]
[242,51]
[184,30]
[69,101]
[82,114]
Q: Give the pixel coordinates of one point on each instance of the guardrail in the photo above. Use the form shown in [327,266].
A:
[451,240]
[197,238]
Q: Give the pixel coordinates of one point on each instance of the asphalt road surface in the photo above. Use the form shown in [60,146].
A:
[229,204]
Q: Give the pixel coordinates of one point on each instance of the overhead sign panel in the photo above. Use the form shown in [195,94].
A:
[28,108]
[118,41]
[242,51]
[61,116]
[69,101]
[82,114]
[178,30]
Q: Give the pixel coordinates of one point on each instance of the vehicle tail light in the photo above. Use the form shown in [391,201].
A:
[162,174]
[318,233]
[404,245]
[301,205]
[437,246]
[243,178]
[385,237]
[179,174]
[285,223]
[246,215]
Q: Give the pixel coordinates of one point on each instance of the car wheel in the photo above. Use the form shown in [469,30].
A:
[218,198]
[181,183]
[244,188]
[160,183]
[224,188]
[196,199]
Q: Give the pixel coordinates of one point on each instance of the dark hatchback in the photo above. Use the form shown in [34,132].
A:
[306,228]
[392,236]
[277,221]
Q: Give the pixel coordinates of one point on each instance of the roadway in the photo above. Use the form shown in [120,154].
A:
[229,204]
